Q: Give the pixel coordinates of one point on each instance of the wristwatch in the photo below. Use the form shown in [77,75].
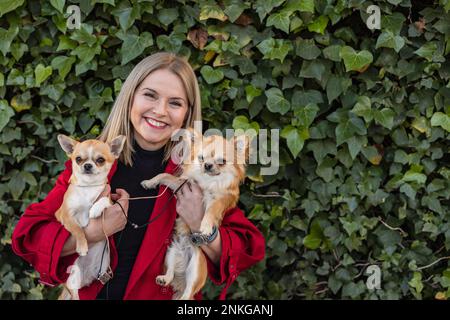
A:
[199,239]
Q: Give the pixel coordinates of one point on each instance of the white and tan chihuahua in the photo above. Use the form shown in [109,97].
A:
[91,163]
[217,165]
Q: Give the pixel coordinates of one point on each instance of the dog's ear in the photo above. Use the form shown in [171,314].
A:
[182,149]
[67,144]
[191,135]
[116,145]
[242,148]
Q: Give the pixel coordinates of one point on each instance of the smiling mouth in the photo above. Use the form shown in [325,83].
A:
[155,123]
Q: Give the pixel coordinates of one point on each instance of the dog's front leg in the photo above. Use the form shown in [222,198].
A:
[164,178]
[214,214]
[98,207]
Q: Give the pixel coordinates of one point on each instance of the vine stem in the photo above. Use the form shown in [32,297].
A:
[433,263]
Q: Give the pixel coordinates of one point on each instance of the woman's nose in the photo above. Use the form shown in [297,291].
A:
[161,107]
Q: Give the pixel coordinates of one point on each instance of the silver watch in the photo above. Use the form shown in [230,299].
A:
[198,238]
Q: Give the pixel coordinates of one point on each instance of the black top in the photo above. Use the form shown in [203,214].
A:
[146,165]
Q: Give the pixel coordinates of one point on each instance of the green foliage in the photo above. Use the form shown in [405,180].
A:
[363,118]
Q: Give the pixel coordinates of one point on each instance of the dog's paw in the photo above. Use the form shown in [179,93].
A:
[206,227]
[149,184]
[82,249]
[163,280]
[94,212]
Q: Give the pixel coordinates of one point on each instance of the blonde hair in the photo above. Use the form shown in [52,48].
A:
[119,122]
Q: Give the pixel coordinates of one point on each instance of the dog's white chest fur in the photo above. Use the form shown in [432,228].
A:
[80,200]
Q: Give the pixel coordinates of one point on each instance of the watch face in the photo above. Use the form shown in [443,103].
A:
[196,239]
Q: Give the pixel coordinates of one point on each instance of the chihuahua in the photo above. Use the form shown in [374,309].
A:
[211,163]
[91,163]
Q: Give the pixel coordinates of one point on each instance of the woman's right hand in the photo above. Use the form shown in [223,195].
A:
[114,219]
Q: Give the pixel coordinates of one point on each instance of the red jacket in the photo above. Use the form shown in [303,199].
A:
[39,238]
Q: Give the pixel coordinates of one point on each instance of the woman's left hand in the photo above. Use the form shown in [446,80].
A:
[190,205]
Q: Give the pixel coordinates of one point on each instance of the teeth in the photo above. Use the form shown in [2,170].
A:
[155,123]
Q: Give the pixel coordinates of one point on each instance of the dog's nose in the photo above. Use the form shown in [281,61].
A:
[87,166]
[208,166]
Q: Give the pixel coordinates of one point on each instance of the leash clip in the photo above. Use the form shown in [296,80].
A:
[105,277]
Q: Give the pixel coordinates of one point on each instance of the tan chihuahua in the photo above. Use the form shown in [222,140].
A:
[211,163]
[91,163]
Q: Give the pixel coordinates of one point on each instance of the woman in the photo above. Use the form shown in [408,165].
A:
[159,96]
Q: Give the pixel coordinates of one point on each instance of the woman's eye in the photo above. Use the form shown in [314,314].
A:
[176,104]
[150,95]
[78,160]
[100,160]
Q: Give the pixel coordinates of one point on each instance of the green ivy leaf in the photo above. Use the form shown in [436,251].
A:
[168,16]
[392,22]
[234,9]
[275,48]
[41,73]
[307,49]
[385,117]
[6,113]
[334,88]
[355,61]
[211,75]
[133,45]
[252,92]
[416,282]
[6,38]
[58,4]
[295,138]
[242,122]
[427,50]
[279,20]
[388,40]
[363,108]
[314,238]
[63,64]
[306,6]
[347,128]
[442,120]
[9,5]
[319,25]
[212,11]
[305,115]
[276,102]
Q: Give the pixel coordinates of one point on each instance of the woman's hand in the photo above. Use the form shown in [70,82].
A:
[113,221]
[190,205]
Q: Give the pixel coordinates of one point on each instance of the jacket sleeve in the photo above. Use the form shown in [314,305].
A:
[39,238]
[243,245]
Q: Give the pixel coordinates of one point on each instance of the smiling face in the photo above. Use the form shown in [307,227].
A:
[159,107]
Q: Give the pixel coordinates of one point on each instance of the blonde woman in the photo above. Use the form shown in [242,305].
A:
[159,96]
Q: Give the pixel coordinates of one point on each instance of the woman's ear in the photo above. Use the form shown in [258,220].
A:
[116,145]
[66,143]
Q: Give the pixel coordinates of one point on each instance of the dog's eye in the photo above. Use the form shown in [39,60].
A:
[221,161]
[78,160]
[100,160]
[200,158]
